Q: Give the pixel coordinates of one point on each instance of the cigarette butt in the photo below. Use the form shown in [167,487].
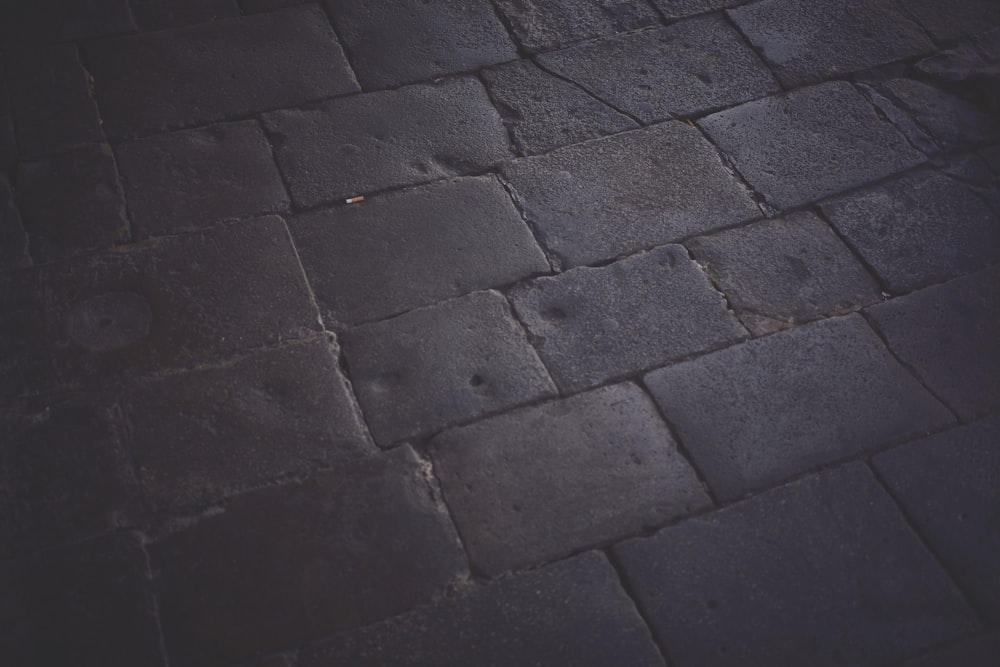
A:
[354,200]
[688,121]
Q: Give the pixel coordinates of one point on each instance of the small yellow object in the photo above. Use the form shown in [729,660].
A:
[354,200]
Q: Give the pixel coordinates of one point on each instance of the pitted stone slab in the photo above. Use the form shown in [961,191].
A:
[46,21]
[918,230]
[955,19]
[545,112]
[823,571]
[979,651]
[613,196]
[159,14]
[203,73]
[181,180]
[386,139]
[13,240]
[952,121]
[810,40]
[538,483]
[394,42]
[948,334]
[570,613]
[442,365]
[592,325]
[254,6]
[395,253]
[674,9]
[809,143]
[678,71]
[298,562]
[760,412]
[541,25]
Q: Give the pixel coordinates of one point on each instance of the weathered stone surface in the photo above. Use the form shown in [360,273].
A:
[917,230]
[441,365]
[158,14]
[687,68]
[949,484]
[593,325]
[386,139]
[72,201]
[763,411]
[810,40]
[809,143]
[301,561]
[620,194]
[949,335]
[413,248]
[618,473]
[203,73]
[13,240]
[541,25]
[545,112]
[569,613]
[254,6]
[793,577]
[980,651]
[952,121]
[52,100]
[189,179]
[8,144]
[784,271]
[61,21]
[956,19]
[394,42]
[673,9]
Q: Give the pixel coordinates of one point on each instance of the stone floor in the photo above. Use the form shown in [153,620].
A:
[667,333]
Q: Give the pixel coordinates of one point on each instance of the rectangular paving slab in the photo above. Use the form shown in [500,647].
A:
[594,324]
[202,73]
[613,196]
[673,9]
[541,25]
[824,571]
[542,482]
[766,410]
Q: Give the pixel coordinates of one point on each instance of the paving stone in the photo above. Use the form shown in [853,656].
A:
[952,121]
[569,613]
[619,472]
[544,112]
[157,14]
[810,143]
[956,19]
[779,272]
[760,412]
[188,179]
[980,651]
[592,325]
[674,9]
[265,575]
[72,201]
[903,121]
[918,229]
[386,139]
[949,485]
[948,334]
[8,144]
[52,100]
[975,172]
[620,194]
[793,577]
[13,240]
[441,365]
[395,42]
[254,6]
[542,25]
[414,248]
[203,73]
[682,70]
[810,40]
[61,21]
[202,435]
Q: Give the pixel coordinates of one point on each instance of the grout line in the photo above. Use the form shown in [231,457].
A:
[554,261]
[595,96]
[631,592]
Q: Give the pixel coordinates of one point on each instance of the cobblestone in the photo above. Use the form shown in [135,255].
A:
[953,122]
[541,25]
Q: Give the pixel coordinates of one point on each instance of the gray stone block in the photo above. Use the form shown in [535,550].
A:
[159,14]
[761,412]
[442,365]
[824,571]
[810,143]
[593,325]
[13,240]
[382,140]
[541,25]
[47,21]
[956,19]
[414,248]
[617,195]
[979,651]
[674,9]
[670,72]
[952,121]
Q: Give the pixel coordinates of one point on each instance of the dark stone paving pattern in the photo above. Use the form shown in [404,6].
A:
[541,25]
[160,14]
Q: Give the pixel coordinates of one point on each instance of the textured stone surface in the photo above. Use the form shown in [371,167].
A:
[620,194]
[592,325]
[253,6]
[541,25]
[790,577]
[159,14]
[265,574]
[952,121]
[980,651]
[394,42]
[381,140]
[812,142]
[673,9]
[410,249]
[206,72]
[13,240]
[442,365]
[60,21]
[570,613]
[766,410]
[183,180]
[949,334]
[669,72]
[956,19]
[811,40]
[8,144]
